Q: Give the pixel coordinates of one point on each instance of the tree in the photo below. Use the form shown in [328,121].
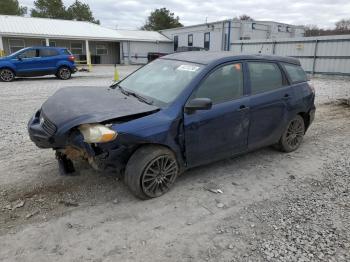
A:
[81,12]
[245,17]
[343,25]
[12,7]
[49,9]
[161,19]
[56,9]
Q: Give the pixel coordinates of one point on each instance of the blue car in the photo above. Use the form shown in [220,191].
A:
[177,112]
[38,61]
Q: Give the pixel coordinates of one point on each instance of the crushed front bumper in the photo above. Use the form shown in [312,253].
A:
[41,137]
[72,146]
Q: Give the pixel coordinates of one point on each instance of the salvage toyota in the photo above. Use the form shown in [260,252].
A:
[177,112]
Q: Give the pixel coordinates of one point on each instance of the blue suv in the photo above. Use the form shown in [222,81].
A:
[177,112]
[38,61]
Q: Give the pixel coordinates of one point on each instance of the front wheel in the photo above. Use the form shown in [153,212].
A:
[64,73]
[151,171]
[293,135]
[7,75]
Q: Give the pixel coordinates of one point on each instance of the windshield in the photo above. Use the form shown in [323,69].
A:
[161,81]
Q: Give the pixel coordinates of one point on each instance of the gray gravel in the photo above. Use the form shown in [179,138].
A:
[263,206]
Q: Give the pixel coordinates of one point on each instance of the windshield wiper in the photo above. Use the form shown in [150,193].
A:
[139,97]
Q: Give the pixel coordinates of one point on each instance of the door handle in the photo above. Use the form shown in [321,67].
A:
[243,108]
[286,97]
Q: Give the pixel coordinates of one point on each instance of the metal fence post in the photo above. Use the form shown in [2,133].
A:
[315,57]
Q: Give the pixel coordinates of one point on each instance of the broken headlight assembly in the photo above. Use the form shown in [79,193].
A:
[97,133]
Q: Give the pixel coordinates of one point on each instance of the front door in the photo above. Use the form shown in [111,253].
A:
[27,62]
[222,130]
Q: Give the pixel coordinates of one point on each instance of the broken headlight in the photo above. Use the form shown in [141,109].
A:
[97,133]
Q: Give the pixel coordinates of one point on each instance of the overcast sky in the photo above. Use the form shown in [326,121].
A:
[132,14]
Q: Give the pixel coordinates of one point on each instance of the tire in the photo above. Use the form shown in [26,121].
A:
[293,135]
[64,73]
[141,173]
[7,75]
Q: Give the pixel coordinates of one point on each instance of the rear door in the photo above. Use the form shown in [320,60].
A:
[49,58]
[270,103]
[221,131]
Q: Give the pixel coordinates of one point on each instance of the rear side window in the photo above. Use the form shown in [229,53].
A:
[224,84]
[296,73]
[47,52]
[264,77]
[66,52]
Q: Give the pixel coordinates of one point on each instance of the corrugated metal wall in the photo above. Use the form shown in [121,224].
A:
[320,55]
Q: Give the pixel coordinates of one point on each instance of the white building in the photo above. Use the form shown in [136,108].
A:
[219,35]
[84,39]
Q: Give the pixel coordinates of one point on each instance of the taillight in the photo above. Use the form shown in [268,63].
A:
[71,58]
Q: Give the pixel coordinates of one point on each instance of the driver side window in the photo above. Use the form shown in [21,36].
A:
[224,84]
[29,54]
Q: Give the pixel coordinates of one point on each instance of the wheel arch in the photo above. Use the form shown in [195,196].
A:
[177,154]
[306,118]
[8,67]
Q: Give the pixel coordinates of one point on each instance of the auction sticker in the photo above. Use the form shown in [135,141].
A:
[190,68]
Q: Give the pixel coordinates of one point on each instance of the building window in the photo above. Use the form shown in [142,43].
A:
[101,49]
[16,44]
[279,28]
[51,43]
[76,48]
[190,40]
[207,41]
[176,42]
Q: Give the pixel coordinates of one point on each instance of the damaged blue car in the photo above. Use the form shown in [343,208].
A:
[177,112]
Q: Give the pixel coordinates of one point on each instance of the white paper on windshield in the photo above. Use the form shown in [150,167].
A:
[190,68]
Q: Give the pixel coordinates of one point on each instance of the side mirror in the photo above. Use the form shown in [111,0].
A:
[198,104]
[19,58]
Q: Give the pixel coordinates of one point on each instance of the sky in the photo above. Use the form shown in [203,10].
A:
[132,14]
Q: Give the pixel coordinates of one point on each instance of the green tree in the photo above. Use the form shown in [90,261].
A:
[49,9]
[161,19]
[12,7]
[81,12]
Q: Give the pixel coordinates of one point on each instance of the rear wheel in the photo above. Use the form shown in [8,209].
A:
[7,75]
[64,73]
[293,136]
[151,171]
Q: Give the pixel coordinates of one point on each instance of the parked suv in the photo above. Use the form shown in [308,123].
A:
[38,61]
[177,112]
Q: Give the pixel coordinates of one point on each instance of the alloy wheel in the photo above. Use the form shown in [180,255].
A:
[6,75]
[159,175]
[64,73]
[295,133]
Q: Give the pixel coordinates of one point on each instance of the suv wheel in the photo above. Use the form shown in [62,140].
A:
[7,75]
[64,73]
[293,136]
[151,171]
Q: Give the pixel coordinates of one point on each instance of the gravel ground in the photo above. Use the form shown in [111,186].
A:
[273,206]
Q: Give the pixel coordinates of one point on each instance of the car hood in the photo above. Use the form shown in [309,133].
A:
[73,106]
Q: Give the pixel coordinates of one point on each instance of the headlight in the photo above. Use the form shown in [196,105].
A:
[97,133]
